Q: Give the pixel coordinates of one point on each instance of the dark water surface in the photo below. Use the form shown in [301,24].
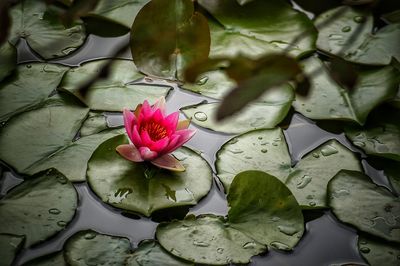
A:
[326,241]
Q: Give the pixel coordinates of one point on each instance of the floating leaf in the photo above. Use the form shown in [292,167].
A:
[392,17]
[355,200]
[39,207]
[29,88]
[94,123]
[144,188]
[267,112]
[9,247]
[262,207]
[391,170]
[207,239]
[377,252]
[114,93]
[349,36]
[328,100]
[48,260]
[262,27]
[165,46]
[92,248]
[8,56]
[150,253]
[43,30]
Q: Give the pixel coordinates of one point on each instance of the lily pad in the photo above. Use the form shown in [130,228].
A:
[144,188]
[39,207]
[39,139]
[391,170]
[92,248]
[328,100]
[264,113]
[48,260]
[9,247]
[179,36]
[8,55]
[207,239]
[116,91]
[350,36]
[355,200]
[262,207]
[150,253]
[94,123]
[378,253]
[43,30]
[261,27]
[30,87]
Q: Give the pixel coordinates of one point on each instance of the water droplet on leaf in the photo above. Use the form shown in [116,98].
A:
[328,150]
[200,116]
[54,211]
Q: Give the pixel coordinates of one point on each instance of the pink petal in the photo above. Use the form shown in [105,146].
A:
[129,121]
[168,162]
[129,152]
[172,142]
[158,116]
[146,110]
[185,135]
[146,140]
[183,124]
[160,145]
[147,154]
[136,139]
[160,104]
[171,121]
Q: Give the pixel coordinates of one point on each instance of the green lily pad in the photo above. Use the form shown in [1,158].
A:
[350,36]
[28,88]
[113,93]
[94,123]
[43,30]
[262,27]
[207,239]
[380,136]
[48,260]
[378,253]
[267,112]
[179,36]
[9,247]
[150,253]
[355,200]
[39,207]
[8,56]
[328,100]
[43,138]
[144,188]
[391,170]
[262,207]
[92,248]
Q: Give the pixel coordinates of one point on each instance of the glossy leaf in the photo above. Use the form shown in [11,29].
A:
[267,112]
[347,32]
[43,30]
[144,188]
[28,88]
[94,123]
[377,252]
[355,200]
[8,56]
[207,239]
[261,27]
[328,100]
[48,260]
[39,207]
[163,47]
[390,168]
[9,247]
[115,92]
[263,208]
[92,248]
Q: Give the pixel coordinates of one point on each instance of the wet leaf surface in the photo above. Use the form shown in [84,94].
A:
[8,55]
[9,247]
[379,252]
[48,260]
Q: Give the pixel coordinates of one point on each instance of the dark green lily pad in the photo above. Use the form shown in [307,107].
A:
[267,112]
[262,27]
[9,247]
[144,188]
[43,138]
[350,36]
[8,56]
[391,170]
[378,253]
[113,93]
[150,253]
[28,88]
[207,239]
[262,207]
[355,200]
[94,123]
[43,30]
[39,207]
[92,248]
[328,100]
[54,259]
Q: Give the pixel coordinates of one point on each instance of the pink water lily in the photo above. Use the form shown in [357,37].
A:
[154,135]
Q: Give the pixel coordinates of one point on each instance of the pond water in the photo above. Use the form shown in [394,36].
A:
[326,241]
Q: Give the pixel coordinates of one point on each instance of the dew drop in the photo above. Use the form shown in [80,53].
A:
[148,79]
[236,151]
[68,50]
[62,180]
[335,37]
[54,211]
[28,66]
[260,138]
[328,150]
[359,143]
[312,203]
[365,250]
[304,181]
[202,80]
[61,223]
[220,250]
[287,230]
[200,116]
[233,141]
[248,157]
[359,19]
[279,245]
[249,245]
[308,110]
[90,235]
[264,150]
[200,243]
[315,155]
[346,29]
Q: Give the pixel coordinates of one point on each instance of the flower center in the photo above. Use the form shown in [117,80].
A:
[155,130]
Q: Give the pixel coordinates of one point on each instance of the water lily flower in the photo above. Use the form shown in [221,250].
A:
[154,135]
